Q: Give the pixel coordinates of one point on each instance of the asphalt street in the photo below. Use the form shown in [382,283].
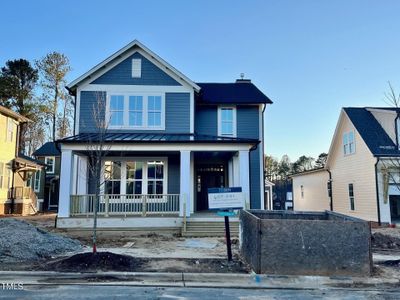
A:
[134,292]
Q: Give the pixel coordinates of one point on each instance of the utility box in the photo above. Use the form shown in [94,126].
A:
[305,243]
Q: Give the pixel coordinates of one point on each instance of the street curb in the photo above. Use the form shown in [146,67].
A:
[199,280]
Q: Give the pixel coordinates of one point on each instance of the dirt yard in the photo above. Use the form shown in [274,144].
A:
[168,253]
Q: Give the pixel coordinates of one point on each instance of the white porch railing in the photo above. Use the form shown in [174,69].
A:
[125,205]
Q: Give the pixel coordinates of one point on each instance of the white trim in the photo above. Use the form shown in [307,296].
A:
[65,182]
[77,110]
[125,52]
[261,145]
[244,173]
[163,147]
[234,121]
[144,111]
[54,164]
[185,180]
[191,111]
[126,88]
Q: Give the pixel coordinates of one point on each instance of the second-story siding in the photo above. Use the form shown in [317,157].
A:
[177,112]
[122,74]
[206,120]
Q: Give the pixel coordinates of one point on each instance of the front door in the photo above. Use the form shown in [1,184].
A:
[208,176]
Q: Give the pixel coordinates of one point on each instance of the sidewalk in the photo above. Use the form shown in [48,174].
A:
[211,280]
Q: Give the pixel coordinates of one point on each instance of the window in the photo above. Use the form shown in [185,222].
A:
[302,191]
[36,182]
[112,177]
[10,130]
[136,68]
[155,177]
[50,162]
[227,121]
[154,111]
[351,196]
[137,111]
[117,110]
[348,143]
[134,177]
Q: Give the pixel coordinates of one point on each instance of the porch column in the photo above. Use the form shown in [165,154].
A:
[65,183]
[244,175]
[185,179]
[82,175]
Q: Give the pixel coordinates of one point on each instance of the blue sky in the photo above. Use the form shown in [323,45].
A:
[310,57]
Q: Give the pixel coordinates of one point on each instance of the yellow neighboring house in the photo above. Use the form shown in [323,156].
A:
[17,171]
[361,177]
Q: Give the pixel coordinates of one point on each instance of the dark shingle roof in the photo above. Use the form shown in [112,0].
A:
[48,149]
[240,92]
[129,137]
[377,140]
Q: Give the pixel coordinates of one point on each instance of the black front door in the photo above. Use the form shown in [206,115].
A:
[208,176]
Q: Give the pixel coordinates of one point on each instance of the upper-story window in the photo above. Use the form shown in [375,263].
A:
[50,162]
[139,111]
[227,121]
[349,146]
[136,68]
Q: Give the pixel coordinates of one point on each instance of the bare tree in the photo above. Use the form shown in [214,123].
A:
[97,148]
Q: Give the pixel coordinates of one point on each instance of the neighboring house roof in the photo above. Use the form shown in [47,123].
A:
[154,138]
[48,149]
[243,91]
[316,170]
[12,114]
[374,136]
[118,56]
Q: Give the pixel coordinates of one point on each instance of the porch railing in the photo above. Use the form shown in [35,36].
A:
[125,205]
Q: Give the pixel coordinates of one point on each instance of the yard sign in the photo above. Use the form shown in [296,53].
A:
[225,198]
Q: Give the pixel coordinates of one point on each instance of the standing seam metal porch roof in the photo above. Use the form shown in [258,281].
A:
[129,137]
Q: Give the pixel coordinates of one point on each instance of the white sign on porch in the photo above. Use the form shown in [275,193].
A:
[226,198]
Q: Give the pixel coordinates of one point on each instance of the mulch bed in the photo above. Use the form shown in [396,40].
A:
[107,261]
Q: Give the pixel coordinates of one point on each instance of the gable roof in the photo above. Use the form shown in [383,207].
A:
[240,92]
[118,56]
[12,114]
[48,149]
[374,136]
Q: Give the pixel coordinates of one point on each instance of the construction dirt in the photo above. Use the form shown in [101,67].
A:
[386,239]
[107,261]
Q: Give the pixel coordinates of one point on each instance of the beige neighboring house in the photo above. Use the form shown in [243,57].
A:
[362,173]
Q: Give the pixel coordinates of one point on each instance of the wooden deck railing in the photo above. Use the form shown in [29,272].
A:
[126,205]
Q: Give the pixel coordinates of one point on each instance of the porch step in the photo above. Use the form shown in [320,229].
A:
[210,229]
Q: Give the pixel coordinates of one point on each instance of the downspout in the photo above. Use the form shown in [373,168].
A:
[331,191]
[377,191]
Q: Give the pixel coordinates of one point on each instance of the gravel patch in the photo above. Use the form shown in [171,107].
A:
[22,242]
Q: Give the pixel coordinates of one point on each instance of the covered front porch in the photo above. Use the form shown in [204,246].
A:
[154,185]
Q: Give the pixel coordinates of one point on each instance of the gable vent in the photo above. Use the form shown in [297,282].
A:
[136,68]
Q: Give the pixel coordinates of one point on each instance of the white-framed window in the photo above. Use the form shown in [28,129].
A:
[10,130]
[116,110]
[349,145]
[351,196]
[5,176]
[50,161]
[36,181]
[136,111]
[136,68]
[135,176]
[227,121]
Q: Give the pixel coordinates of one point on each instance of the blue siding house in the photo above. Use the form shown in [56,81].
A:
[161,141]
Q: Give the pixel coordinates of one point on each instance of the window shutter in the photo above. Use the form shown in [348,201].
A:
[136,68]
